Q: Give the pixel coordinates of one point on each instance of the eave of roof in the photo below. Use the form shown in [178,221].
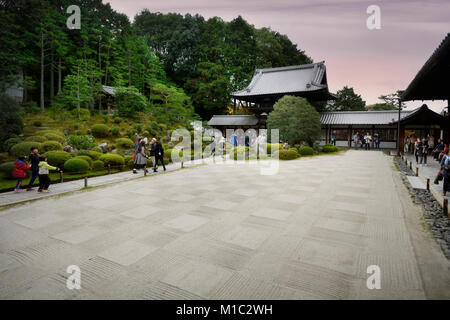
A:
[233,120]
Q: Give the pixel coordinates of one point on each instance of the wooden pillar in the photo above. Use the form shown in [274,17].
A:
[234,106]
[349,136]
[373,138]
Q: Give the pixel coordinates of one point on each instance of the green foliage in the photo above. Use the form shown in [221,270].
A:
[85,114]
[129,101]
[97,150]
[52,132]
[98,165]
[51,146]
[100,130]
[240,153]
[306,151]
[95,154]
[328,148]
[87,159]
[269,147]
[289,154]
[6,169]
[9,143]
[125,143]
[76,165]
[10,117]
[57,158]
[36,138]
[23,148]
[296,120]
[37,123]
[115,131]
[81,142]
[347,100]
[54,137]
[138,127]
[112,159]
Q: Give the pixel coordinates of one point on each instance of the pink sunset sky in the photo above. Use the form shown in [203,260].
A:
[374,62]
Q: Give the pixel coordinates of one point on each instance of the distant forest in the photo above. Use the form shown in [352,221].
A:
[203,59]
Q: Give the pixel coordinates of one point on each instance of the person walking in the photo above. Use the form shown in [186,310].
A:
[333,137]
[423,158]
[141,158]
[213,147]
[159,155]
[152,151]
[367,140]
[361,139]
[430,144]
[437,150]
[44,179]
[377,140]
[34,163]
[416,149]
[20,172]
[445,167]
[356,139]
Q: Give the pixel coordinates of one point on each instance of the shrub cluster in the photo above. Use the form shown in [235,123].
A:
[306,151]
[125,143]
[76,165]
[54,137]
[100,130]
[36,138]
[81,142]
[87,159]
[240,153]
[328,148]
[112,159]
[57,158]
[289,154]
[7,169]
[115,131]
[98,165]
[23,148]
[51,146]
[7,145]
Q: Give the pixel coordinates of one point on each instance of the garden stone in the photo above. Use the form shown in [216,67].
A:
[104,147]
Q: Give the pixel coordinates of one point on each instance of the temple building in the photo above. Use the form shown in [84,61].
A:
[310,81]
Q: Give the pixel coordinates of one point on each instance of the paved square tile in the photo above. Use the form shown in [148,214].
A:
[140,212]
[186,222]
[127,253]
[79,235]
[246,237]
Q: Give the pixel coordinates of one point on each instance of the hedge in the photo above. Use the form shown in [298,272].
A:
[36,138]
[100,130]
[7,169]
[57,158]
[87,159]
[289,154]
[95,154]
[306,151]
[125,143]
[238,153]
[7,145]
[55,132]
[54,137]
[328,148]
[115,131]
[23,148]
[98,165]
[112,159]
[76,165]
[51,146]
[269,147]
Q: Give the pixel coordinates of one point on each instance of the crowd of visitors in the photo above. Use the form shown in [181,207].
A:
[364,141]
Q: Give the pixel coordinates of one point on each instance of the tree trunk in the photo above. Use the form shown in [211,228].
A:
[42,73]
[100,73]
[52,79]
[78,93]
[59,75]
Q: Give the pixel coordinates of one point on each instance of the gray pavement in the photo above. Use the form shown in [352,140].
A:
[226,232]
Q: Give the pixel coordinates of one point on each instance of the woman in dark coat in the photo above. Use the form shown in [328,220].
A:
[159,155]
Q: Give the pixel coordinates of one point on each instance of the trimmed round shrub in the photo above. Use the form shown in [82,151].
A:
[95,154]
[36,138]
[328,148]
[85,114]
[54,137]
[45,132]
[82,142]
[306,151]
[76,165]
[112,159]
[98,165]
[269,147]
[87,159]
[51,146]
[240,153]
[7,145]
[125,143]
[57,158]
[23,148]
[97,149]
[100,130]
[7,169]
[289,154]
[129,161]
[115,131]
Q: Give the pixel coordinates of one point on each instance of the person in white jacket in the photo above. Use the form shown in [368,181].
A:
[368,140]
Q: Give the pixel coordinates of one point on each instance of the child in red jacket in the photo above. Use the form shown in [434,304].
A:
[20,172]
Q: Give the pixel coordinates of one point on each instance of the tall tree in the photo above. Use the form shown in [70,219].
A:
[347,100]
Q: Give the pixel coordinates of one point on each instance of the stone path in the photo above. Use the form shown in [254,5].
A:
[227,232]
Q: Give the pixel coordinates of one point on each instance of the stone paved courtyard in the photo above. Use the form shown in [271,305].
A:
[227,232]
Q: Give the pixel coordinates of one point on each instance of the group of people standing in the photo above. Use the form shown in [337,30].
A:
[140,156]
[423,147]
[39,168]
[362,140]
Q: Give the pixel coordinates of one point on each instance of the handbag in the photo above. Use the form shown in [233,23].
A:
[134,156]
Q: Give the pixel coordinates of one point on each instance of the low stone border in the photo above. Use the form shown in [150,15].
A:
[437,221]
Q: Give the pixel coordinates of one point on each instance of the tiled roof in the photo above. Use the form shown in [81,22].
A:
[109,90]
[301,78]
[233,120]
[362,117]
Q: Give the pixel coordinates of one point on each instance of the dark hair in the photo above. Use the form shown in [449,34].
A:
[22,158]
[32,148]
[42,158]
